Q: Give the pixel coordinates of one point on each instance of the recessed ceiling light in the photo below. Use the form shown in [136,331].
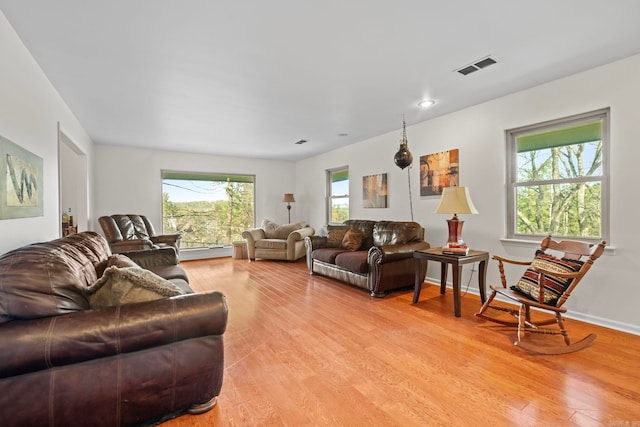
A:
[426,103]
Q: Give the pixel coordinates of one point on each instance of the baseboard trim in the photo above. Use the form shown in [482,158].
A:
[583,317]
[204,253]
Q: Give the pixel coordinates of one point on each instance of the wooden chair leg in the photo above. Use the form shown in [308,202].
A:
[522,321]
[486,304]
[563,331]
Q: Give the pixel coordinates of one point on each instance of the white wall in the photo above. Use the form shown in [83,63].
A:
[610,292]
[30,109]
[128,180]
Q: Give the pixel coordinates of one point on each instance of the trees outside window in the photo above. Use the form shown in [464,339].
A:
[208,209]
[337,195]
[557,178]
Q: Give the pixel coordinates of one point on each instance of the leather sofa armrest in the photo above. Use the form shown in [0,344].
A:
[388,253]
[154,257]
[315,242]
[300,234]
[169,239]
[131,245]
[311,243]
[38,344]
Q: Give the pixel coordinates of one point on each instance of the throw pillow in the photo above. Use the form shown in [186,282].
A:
[529,283]
[352,239]
[120,261]
[335,236]
[275,231]
[269,228]
[127,285]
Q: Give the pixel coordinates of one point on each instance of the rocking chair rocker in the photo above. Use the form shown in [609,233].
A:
[546,285]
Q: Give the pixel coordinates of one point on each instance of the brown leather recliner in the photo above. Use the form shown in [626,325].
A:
[130,232]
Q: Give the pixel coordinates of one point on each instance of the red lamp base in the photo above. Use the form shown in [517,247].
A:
[455,229]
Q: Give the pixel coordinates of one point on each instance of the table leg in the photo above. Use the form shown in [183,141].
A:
[443,277]
[482,280]
[417,285]
[457,273]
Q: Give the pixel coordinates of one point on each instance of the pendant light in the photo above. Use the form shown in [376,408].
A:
[403,157]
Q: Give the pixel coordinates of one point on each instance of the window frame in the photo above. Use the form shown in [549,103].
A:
[166,174]
[329,194]
[511,136]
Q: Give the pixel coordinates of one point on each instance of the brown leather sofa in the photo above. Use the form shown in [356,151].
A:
[65,364]
[135,232]
[381,263]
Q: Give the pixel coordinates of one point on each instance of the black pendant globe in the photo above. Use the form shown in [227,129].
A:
[403,157]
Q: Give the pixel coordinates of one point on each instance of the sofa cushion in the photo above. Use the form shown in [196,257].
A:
[173,273]
[395,233]
[355,262]
[352,239]
[278,244]
[529,283]
[327,255]
[275,231]
[47,279]
[127,285]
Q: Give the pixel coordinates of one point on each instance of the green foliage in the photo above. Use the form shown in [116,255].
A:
[339,214]
[557,193]
[206,223]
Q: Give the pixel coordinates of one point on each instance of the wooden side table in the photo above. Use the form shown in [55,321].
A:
[456,261]
[239,250]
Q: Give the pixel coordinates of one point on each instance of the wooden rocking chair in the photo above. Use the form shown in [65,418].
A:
[546,285]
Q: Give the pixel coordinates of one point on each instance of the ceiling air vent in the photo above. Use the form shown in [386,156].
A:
[477,65]
[300,142]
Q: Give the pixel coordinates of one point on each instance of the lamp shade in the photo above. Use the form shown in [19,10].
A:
[288,198]
[456,200]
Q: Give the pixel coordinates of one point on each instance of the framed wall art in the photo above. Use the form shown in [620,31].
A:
[374,191]
[21,192]
[437,171]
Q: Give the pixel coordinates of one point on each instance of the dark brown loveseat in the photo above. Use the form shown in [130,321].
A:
[382,262]
[63,363]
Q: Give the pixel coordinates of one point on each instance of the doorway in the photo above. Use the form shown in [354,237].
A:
[73,182]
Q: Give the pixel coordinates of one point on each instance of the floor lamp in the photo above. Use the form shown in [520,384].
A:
[288,199]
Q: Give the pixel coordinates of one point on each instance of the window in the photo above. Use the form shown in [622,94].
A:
[337,195]
[558,178]
[208,209]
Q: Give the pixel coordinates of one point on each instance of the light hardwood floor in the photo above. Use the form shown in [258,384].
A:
[305,350]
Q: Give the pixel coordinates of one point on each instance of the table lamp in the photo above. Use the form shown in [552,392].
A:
[455,200]
[288,199]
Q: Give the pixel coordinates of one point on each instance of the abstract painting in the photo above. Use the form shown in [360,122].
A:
[374,191]
[21,187]
[437,171]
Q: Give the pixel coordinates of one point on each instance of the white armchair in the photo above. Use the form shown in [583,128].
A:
[279,242]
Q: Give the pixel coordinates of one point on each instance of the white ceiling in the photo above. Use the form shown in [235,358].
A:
[252,77]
